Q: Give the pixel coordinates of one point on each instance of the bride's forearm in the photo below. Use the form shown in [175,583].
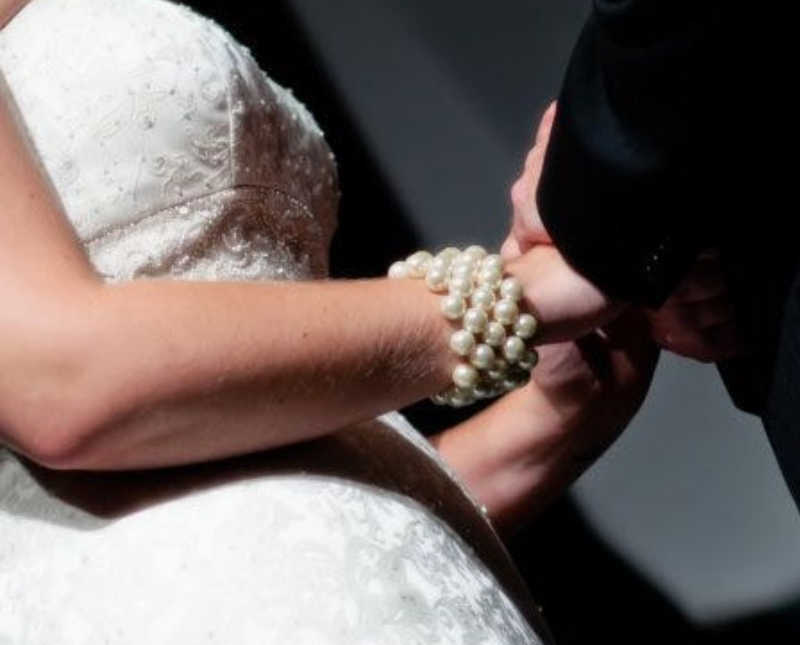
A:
[522,452]
[155,373]
[8,9]
[158,373]
[516,456]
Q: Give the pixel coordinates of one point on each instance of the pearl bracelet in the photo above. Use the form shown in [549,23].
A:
[494,333]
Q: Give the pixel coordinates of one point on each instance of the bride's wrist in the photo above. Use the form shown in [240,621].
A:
[490,333]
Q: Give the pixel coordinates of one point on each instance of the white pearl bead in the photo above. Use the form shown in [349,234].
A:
[460,286]
[475,320]
[495,334]
[490,276]
[476,252]
[526,326]
[462,342]
[513,349]
[483,298]
[465,376]
[496,390]
[453,306]
[466,392]
[465,271]
[449,254]
[482,357]
[529,359]
[481,391]
[443,398]
[511,288]
[506,311]
[439,264]
[419,263]
[399,271]
[465,258]
[436,279]
[516,378]
[492,261]
[499,370]
[461,399]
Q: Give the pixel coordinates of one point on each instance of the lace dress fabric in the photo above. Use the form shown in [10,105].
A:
[175,156]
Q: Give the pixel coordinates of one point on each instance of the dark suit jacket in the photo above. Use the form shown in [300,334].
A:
[671,136]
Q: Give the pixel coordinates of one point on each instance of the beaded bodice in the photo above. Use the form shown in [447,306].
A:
[177,155]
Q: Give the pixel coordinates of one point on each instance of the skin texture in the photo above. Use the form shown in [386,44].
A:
[144,374]
[113,377]
[522,453]
[9,8]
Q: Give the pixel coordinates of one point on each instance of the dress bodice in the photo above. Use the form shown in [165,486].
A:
[172,152]
[175,156]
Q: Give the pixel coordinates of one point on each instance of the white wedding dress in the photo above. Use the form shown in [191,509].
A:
[174,155]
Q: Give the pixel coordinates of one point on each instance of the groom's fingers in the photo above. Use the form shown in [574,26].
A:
[695,315]
[546,125]
[711,313]
[699,319]
[705,331]
[709,345]
[510,249]
[706,280]
[527,225]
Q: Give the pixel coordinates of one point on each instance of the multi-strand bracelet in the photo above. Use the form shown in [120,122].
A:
[494,334]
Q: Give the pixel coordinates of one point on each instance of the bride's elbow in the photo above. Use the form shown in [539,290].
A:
[56,448]
[54,428]
[56,435]
[47,409]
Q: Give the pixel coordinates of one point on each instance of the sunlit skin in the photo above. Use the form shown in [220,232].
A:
[9,8]
[146,373]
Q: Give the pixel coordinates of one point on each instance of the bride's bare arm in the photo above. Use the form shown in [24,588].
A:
[155,373]
[9,8]
[522,452]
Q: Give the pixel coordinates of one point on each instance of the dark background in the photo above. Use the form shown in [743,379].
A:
[684,532]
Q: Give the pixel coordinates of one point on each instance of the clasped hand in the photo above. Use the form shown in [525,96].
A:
[697,320]
[597,360]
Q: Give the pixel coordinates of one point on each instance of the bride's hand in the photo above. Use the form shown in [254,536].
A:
[565,303]
[525,450]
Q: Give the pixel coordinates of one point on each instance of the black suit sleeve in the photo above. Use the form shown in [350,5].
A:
[626,192]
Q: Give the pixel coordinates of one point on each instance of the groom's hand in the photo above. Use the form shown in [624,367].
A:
[527,229]
[699,320]
[566,304]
